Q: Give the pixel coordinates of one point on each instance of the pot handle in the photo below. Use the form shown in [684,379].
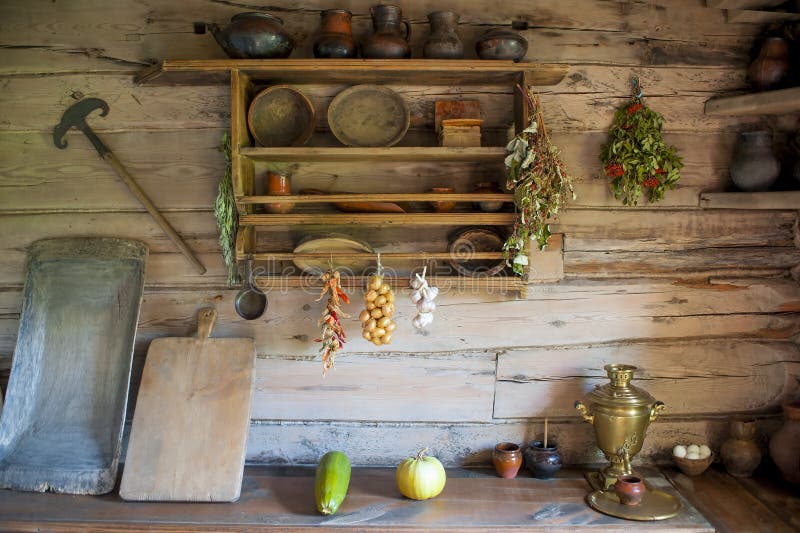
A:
[584,413]
[655,411]
[408,29]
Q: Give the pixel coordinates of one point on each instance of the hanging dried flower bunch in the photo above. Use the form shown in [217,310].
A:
[332,331]
[227,215]
[636,157]
[540,182]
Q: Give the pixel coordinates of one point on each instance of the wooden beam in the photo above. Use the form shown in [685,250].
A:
[764,103]
[377,197]
[777,200]
[743,4]
[352,71]
[379,219]
[759,17]
[401,153]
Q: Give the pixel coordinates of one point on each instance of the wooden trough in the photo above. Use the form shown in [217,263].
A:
[65,405]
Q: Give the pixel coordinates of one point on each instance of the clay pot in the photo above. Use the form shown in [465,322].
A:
[740,455]
[442,207]
[254,36]
[335,36]
[387,40]
[278,185]
[754,166]
[629,490]
[443,42]
[542,462]
[501,43]
[490,187]
[784,448]
[772,64]
[507,458]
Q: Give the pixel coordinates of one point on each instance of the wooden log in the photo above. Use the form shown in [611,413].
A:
[744,16]
[369,444]
[763,103]
[743,4]
[562,314]
[457,387]
[744,376]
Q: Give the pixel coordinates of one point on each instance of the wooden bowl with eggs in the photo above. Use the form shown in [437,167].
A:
[693,463]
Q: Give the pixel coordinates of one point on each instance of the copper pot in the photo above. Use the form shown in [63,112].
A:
[335,37]
[772,64]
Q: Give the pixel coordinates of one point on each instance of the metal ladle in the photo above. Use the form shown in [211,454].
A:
[250,302]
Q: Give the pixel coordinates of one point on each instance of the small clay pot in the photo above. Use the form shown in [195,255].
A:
[278,185]
[629,490]
[507,459]
[542,462]
[442,207]
[490,187]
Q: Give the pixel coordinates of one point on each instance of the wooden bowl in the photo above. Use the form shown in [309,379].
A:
[693,467]
[281,116]
[368,115]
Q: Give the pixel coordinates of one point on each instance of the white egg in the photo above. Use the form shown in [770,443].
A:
[692,455]
[705,451]
[693,448]
[679,451]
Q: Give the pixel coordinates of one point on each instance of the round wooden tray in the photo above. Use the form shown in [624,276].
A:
[281,116]
[368,116]
[333,243]
[470,240]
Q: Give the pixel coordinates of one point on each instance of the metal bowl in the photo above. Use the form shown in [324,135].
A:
[281,116]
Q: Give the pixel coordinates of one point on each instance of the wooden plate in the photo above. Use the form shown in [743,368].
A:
[368,115]
[358,207]
[281,116]
[333,243]
[469,240]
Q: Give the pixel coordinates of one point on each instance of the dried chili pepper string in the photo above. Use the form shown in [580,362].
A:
[333,336]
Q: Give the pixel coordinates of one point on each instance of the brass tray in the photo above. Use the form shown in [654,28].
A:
[655,505]
[368,115]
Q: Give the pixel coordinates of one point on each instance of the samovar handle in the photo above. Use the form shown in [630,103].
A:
[584,412]
[655,411]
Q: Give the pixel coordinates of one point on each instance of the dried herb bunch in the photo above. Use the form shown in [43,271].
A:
[540,181]
[636,157]
[227,215]
[333,336]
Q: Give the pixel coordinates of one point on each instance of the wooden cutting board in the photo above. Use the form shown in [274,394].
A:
[191,419]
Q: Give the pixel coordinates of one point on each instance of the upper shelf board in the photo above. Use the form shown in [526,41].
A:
[763,103]
[353,71]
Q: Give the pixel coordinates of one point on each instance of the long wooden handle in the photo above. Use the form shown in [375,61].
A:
[112,160]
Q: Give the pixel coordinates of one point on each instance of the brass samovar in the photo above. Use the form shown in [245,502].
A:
[620,414]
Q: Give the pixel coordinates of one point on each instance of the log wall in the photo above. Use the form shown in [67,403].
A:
[700,300]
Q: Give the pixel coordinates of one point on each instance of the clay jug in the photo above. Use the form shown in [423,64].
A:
[253,36]
[772,64]
[784,447]
[335,36]
[443,42]
[754,166]
[278,185]
[387,40]
[740,454]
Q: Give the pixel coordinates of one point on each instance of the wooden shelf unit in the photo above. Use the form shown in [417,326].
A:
[763,103]
[775,200]
[245,75]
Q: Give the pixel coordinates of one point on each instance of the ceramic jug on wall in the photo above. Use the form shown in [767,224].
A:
[335,37]
[387,40]
[754,166]
[443,42]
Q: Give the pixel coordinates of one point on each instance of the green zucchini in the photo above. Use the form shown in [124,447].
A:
[330,485]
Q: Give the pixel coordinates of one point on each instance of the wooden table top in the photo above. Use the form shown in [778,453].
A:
[283,498]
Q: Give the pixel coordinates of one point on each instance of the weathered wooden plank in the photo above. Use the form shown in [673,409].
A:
[763,103]
[743,4]
[571,312]
[776,494]
[35,176]
[465,444]
[706,262]
[744,375]
[410,388]
[728,506]
[664,229]
[126,36]
[34,104]
[745,16]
